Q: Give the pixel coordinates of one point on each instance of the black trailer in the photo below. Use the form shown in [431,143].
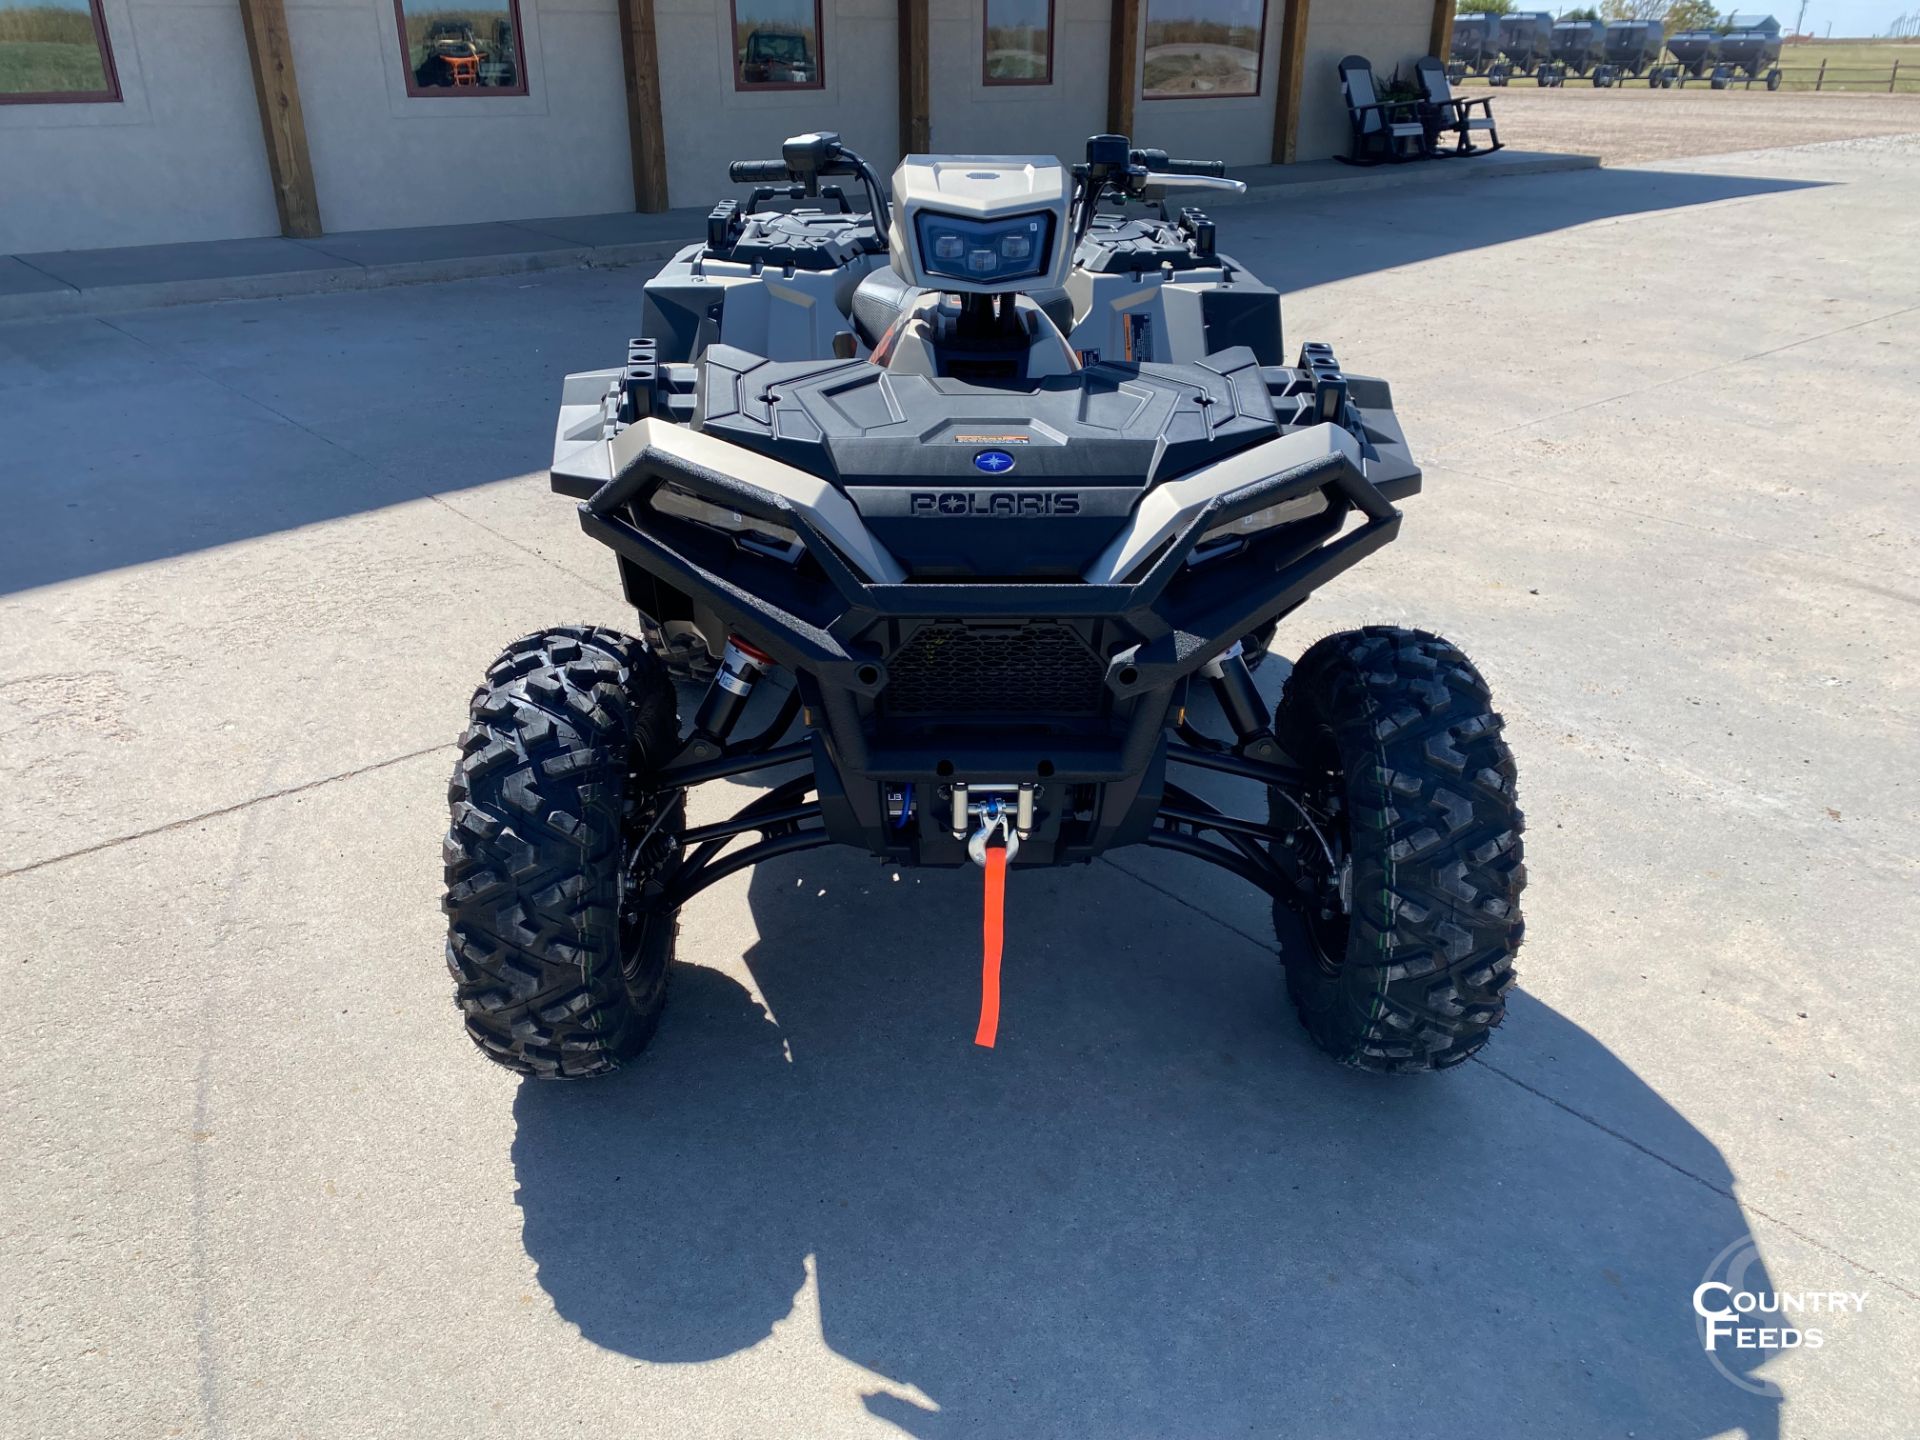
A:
[1579,44]
[1526,38]
[1634,45]
[1476,41]
[1731,77]
[1696,50]
[1752,44]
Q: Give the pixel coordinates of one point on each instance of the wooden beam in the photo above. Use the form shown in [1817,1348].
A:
[916,80]
[1292,79]
[646,135]
[1440,41]
[1123,66]
[289,165]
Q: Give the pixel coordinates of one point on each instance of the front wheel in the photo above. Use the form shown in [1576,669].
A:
[557,941]
[1408,836]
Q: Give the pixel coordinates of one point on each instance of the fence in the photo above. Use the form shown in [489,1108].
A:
[1903,78]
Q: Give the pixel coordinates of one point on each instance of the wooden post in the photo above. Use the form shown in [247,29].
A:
[1292,77]
[1895,78]
[1123,66]
[1821,78]
[1440,41]
[646,139]
[916,84]
[290,166]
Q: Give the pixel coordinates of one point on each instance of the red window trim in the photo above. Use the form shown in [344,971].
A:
[109,96]
[418,91]
[986,28]
[740,82]
[1259,62]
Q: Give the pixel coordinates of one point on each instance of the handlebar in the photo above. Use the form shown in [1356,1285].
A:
[809,158]
[1115,169]
[1157,160]
[758,172]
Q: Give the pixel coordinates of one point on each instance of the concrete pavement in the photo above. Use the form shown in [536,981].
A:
[262,1185]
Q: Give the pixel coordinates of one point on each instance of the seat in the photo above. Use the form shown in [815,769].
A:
[1443,112]
[932,338]
[883,297]
[1381,129]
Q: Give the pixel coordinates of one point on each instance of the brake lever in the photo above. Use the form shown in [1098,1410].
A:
[1160,180]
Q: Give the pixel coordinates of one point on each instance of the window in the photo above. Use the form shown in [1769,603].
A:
[54,50]
[472,50]
[776,45]
[1019,43]
[1202,48]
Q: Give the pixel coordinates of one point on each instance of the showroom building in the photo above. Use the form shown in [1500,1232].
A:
[131,122]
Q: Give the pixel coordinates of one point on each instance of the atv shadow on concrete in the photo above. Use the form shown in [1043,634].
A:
[1153,1211]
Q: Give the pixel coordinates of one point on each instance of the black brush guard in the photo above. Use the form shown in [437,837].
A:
[840,635]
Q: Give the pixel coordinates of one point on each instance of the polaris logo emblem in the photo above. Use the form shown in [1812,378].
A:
[993,502]
[994,462]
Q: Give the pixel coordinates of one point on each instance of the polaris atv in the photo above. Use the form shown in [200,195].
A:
[979,489]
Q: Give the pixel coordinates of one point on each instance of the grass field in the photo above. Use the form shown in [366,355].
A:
[46,67]
[1878,54]
[48,50]
[1851,65]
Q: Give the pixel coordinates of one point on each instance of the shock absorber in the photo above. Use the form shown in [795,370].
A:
[1240,701]
[741,668]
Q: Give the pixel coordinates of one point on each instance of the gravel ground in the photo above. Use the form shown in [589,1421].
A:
[1635,123]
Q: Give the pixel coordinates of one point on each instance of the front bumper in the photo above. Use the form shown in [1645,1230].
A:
[1066,684]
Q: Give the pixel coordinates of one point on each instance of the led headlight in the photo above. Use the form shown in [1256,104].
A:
[1274,516]
[984,251]
[750,532]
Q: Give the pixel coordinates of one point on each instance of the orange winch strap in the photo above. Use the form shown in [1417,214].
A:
[993,934]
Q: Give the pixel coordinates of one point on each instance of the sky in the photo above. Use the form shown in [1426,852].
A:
[1848,17]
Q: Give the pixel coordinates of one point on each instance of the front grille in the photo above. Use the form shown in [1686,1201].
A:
[1036,669]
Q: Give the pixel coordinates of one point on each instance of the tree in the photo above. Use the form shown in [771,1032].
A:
[1692,15]
[1636,9]
[1588,14]
[1485,7]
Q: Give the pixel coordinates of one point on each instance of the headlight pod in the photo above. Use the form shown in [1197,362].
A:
[749,532]
[1301,507]
[985,252]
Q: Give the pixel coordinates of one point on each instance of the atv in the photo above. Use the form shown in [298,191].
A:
[978,489]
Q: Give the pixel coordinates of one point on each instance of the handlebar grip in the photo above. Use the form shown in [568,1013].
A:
[758,172]
[1217,168]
